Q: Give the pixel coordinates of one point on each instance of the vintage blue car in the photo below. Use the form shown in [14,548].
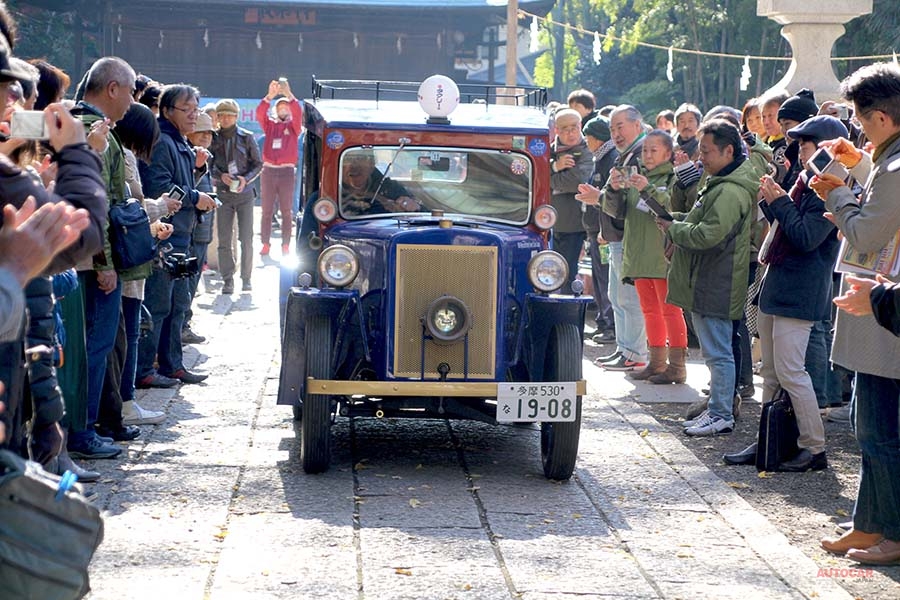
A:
[423,286]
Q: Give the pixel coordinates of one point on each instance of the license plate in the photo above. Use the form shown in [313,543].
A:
[535,402]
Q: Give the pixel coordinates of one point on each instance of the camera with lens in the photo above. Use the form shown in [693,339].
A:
[177,264]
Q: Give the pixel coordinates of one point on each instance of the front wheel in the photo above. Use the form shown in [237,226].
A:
[559,441]
[315,430]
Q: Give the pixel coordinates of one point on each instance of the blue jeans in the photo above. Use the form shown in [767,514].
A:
[826,381]
[199,250]
[631,335]
[167,300]
[101,320]
[715,344]
[875,412]
[131,311]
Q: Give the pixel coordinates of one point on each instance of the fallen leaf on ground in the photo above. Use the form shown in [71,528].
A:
[645,432]
[842,513]
[414,503]
[738,485]
[402,571]
[764,475]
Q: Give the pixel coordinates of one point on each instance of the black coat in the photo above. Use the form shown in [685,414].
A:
[78,182]
[799,284]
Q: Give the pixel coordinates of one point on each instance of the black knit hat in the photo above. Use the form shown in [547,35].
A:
[799,107]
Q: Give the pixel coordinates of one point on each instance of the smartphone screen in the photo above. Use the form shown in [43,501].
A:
[176,193]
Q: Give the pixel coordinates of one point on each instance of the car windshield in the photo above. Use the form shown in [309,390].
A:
[486,184]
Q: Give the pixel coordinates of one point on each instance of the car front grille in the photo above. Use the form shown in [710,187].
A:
[427,272]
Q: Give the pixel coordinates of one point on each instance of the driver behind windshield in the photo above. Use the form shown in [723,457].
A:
[366,191]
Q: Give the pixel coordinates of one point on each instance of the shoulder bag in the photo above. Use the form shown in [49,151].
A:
[48,533]
[129,234]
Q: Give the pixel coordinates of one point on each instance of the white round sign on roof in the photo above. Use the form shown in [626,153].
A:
[438,96]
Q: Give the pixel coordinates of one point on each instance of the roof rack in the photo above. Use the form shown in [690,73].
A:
[469,93]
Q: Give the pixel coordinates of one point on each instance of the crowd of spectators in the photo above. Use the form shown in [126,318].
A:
[99,324]
[716,227]
[727,227]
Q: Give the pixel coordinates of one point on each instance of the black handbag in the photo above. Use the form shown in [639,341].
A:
[48,533]
[129,234]
[778,432]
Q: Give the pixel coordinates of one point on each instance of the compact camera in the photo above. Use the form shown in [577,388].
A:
[177,264]
[29,125]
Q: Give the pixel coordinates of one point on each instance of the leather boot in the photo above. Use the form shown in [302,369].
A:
[656,365]
[67,464]
[675,372]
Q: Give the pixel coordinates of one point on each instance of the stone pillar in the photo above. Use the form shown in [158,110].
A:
[812,27]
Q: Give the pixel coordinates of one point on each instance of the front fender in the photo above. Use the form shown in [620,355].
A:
[298,304]
[541,314]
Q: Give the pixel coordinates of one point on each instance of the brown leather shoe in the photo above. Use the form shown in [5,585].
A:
[852,539]
[886,552]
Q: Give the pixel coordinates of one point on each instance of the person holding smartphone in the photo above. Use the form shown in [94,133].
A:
[279,154]
[795,293]
[642,195]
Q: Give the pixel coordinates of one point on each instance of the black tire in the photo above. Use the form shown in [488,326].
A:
[315,430]
[298,410]
[559,441]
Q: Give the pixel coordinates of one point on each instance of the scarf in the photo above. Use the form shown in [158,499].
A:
[688,146]
[781,247]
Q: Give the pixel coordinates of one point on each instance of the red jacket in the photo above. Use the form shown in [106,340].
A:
[280,147]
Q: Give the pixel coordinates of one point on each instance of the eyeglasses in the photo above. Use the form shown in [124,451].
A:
[188,111]
[569,129]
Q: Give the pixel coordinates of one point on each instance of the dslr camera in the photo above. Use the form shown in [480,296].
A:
[178,264]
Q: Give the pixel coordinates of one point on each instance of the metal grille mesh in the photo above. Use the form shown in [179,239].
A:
[426,272]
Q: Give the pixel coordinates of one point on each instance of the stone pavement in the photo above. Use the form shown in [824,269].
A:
[212,504]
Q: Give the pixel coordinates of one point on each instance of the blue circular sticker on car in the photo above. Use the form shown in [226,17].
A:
[335,140]
[537,147]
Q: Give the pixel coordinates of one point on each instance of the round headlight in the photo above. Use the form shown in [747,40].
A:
[548,271]
[325,210]
[338,265]
[448,319]
[545,217]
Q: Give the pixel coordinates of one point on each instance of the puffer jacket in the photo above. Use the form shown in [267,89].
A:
[710,265]
[643,243]
[78,182]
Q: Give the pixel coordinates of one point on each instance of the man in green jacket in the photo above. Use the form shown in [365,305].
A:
[708,274]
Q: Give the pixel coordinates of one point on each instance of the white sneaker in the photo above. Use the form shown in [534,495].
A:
[711,426]
[701,417]
[134,414]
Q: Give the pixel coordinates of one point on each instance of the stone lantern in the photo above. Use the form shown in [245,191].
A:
[812,27]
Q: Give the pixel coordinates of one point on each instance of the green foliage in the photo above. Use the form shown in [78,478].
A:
[629,73]
[44,34]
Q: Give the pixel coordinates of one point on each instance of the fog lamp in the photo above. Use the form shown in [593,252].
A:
[448,319]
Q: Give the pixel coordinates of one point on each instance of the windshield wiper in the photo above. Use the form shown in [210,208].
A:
[387,169]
